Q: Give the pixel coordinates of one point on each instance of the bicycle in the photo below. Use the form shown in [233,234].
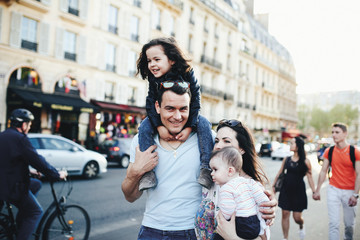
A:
[60,221]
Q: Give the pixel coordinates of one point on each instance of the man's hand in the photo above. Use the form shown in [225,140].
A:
[63,174]
[268,208]
[164,134]
[145,161]
[184,134]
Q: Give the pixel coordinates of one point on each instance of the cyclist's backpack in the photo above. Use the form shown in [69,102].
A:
[352,155]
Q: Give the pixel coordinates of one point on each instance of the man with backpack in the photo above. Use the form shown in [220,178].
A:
[344,185]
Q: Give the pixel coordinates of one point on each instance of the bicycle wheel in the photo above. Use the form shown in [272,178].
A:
[73,222]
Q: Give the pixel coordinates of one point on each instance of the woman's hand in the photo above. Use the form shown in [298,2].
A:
[225,228]
[268,208]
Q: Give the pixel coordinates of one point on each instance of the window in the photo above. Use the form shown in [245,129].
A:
[241,26]
[28,34]
[109,91]
[134,29]
[171,27]
[113,18]
[74,7]
[156,24]
[132,64]
[206,24]
[132,99]
[55,144]
[69,45]
[228,62]
[110,57]
[192,16]
[229,39]
[247,71]
[137,3]
[243,45]
[216,31]
[190,44]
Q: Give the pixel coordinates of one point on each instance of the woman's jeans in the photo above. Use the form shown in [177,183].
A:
[147,233]
[204,132]
[337,198]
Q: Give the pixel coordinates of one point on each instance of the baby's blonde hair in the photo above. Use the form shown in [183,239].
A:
[231,156]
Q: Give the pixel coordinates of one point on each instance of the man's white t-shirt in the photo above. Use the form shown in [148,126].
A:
[173,203]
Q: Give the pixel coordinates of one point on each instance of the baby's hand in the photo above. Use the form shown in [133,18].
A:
[164,134]
[184,134]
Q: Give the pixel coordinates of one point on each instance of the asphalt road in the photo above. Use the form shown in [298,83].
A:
[112,217]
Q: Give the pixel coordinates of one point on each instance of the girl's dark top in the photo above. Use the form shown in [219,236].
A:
[154,84]
[293,192]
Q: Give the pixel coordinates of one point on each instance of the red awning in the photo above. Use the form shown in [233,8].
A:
[119,107]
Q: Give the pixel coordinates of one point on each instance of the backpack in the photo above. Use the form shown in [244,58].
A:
[352,155]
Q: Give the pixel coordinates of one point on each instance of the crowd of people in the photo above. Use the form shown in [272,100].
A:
[200,184]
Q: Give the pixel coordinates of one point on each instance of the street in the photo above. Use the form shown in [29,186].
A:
[112,217]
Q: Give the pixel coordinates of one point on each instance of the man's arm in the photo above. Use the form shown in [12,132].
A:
[144,162]
[353,200]
[322,177]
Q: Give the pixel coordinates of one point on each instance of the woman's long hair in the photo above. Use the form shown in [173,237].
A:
[251,164]
[171,50]
[301,153]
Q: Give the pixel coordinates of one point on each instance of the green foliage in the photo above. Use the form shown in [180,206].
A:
[321,120]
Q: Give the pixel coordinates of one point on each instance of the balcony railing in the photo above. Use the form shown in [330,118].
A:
[240,104]
[158,27]
[70,56]
[219,11]
[211,62]
[177,3]
[113,29]
[228,97]
[212,91]
[110,67]
[29,45]
[73,11]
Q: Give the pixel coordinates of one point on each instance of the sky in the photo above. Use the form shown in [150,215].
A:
[323,38]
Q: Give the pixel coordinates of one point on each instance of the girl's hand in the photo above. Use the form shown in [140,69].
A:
[268,213]
[184,134]
[164,134]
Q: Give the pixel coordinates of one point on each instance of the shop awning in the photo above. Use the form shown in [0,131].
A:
[52,101]
[119,107]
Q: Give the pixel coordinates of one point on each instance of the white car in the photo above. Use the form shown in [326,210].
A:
[281,152]
[63,153]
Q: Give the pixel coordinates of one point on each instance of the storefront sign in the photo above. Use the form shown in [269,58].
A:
[87,110]
[37,104]
[61,107]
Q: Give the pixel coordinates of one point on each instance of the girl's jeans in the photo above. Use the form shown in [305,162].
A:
[204,132]
[337,198]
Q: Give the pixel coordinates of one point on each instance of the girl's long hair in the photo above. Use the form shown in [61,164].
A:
[171,50]
[251,164]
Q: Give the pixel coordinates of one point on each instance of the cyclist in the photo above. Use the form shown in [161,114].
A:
[16,186]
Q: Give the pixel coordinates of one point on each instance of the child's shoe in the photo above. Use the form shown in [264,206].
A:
[148,180]
[205,178]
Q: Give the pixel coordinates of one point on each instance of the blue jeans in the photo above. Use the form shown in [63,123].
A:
[147,233]
[204,132]
[29,211]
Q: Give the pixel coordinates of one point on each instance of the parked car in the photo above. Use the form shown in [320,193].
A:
[63,153]
[267,148]
[117,150]
[281,152]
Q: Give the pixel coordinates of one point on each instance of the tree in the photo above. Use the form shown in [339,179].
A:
[343,113]
[320,120]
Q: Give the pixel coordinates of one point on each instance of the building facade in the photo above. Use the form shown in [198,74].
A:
[73,63]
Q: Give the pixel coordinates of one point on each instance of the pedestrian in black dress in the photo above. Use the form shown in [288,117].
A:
[293,192]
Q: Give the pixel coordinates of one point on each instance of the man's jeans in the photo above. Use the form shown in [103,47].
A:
[335,199]
[147,233]
[29,211]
